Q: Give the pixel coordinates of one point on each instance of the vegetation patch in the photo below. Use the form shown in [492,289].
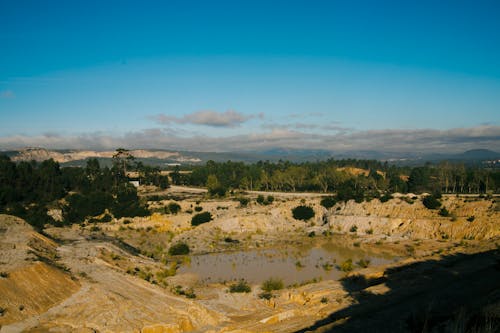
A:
[240,287]
[179,249]
[328,202]
[303,213]
[201,218]
[431,202]
[272,284]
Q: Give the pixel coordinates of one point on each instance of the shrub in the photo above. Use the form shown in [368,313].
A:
[431,202]
[201,218]
[471,218]
[260,199]
[188,293]
[173,208]
[328,202]
[444,212]
[243,201]
[240,287]
[363,263]
[386,197]
[311,234]
[265,295]
[4,275]
[346,266]
[302,213]
[198,209]
[353,228]
[272,284]
[179,249]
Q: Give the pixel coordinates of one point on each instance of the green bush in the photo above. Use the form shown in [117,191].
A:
[328,202]
[302,213]
[179,249]
[431,202]
[444,212]
[471,218]
[240,287]
[386,197]
[198,208]
[243,201]
[260,199]
[272,284]
[201,218]
[173,208]
[346,266]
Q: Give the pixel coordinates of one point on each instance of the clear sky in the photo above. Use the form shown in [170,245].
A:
[243,75]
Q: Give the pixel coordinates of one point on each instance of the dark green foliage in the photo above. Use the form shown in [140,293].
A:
[243,201]
[201,218]
[173,208]
[353,228]
[328,202]
[431,202]
[303,213]
[325,177]
[179,249]
[126,203]
[272,284]
[214,187]
[260,199]
[349,190]
[266,295]
[471,218]
[198,208]
[444,212]
[240,287]
[386,197]
[80,206]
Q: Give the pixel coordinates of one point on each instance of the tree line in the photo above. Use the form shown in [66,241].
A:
[348,178]
[30,189]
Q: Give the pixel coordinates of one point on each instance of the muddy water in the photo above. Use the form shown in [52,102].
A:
[292,264]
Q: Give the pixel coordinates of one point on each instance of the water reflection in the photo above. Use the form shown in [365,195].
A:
[292,264]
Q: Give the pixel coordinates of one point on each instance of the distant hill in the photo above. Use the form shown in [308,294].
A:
[479,154]
[160,157]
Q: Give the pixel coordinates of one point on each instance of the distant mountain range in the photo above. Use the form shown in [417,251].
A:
[165,157]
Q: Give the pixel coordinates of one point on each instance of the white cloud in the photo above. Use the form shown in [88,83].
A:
[395,140]
[229,118]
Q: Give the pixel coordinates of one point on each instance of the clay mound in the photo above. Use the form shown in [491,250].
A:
[28,286]
[32,290]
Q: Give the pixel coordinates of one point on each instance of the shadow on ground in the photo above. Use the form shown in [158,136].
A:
[459,293]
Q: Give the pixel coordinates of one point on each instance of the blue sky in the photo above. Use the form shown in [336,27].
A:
[243,75]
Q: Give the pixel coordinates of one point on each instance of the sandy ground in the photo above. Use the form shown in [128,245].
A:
[105,268]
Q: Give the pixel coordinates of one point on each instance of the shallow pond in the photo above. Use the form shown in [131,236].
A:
[292,264]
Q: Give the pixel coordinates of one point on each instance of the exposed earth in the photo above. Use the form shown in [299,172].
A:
[118,276]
